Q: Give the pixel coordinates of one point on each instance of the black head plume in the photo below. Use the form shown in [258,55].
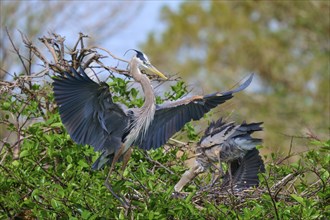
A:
[141,56]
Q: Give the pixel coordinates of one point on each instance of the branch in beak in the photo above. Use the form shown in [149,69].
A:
[156,71]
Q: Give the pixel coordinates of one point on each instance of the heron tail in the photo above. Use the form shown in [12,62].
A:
[102,161]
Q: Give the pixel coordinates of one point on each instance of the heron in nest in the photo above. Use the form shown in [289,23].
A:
[233,144]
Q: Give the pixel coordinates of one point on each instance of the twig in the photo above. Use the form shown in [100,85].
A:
[108,52]
[113,69]
[178,142]
[28,43]
[16,50]
[56,178]
[143,187]
[60,40]
[159,164]
[51,49]
[272,198]
[304,193]
[279,185]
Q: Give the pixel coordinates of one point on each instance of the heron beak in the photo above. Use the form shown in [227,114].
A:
[156,71]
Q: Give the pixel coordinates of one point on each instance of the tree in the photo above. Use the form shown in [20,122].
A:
[285,43]
[36,18]
[50,177]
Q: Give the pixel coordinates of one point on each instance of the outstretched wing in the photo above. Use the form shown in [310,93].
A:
[88,112]
[245,171]
[171,117]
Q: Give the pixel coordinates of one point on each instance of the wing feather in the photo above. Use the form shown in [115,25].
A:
[245,171]
[88,112]
[172,116]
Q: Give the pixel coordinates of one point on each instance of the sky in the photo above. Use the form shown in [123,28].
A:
[134,33]
[130,36]
[148,20]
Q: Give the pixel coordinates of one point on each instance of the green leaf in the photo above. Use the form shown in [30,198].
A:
[24,153]
[151,215]
[298,199]
[190,196]
[85,214]
[83,164]
[134,92]
[69,159]
[69,167]
[15,163]
[35,87]
[56,125]
[55,204]
[6,106]
[150,184]
[35,194]
[59,190]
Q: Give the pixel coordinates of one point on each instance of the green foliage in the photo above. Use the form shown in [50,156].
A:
[51,178]
[177,91]
[191,133]
[124,94]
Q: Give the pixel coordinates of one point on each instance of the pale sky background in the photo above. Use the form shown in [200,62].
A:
[132,35]
[146,21]
[136,32]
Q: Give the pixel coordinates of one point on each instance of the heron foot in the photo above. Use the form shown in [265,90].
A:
[179,195]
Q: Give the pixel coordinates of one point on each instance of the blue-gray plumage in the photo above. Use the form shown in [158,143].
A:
[91,117]
[88,113]
[231,143]
[244,171]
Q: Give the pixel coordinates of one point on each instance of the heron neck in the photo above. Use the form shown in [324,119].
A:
[145,115]
[149,97]
[145,83]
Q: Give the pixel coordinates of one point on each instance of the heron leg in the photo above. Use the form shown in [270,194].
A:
[230,177]
[126,157]
[188,176]
[215,178]
[221,173]
[115,159]
[120,198]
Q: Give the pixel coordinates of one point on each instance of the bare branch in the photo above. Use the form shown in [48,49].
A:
[108,52]
[17,51]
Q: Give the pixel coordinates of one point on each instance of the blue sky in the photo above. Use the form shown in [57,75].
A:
[148,20]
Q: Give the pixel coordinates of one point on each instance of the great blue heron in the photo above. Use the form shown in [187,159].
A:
[227,142]
[91,117]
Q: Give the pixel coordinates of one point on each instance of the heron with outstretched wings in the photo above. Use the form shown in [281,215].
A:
[91,117]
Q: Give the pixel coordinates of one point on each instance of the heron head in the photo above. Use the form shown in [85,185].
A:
[144,61]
